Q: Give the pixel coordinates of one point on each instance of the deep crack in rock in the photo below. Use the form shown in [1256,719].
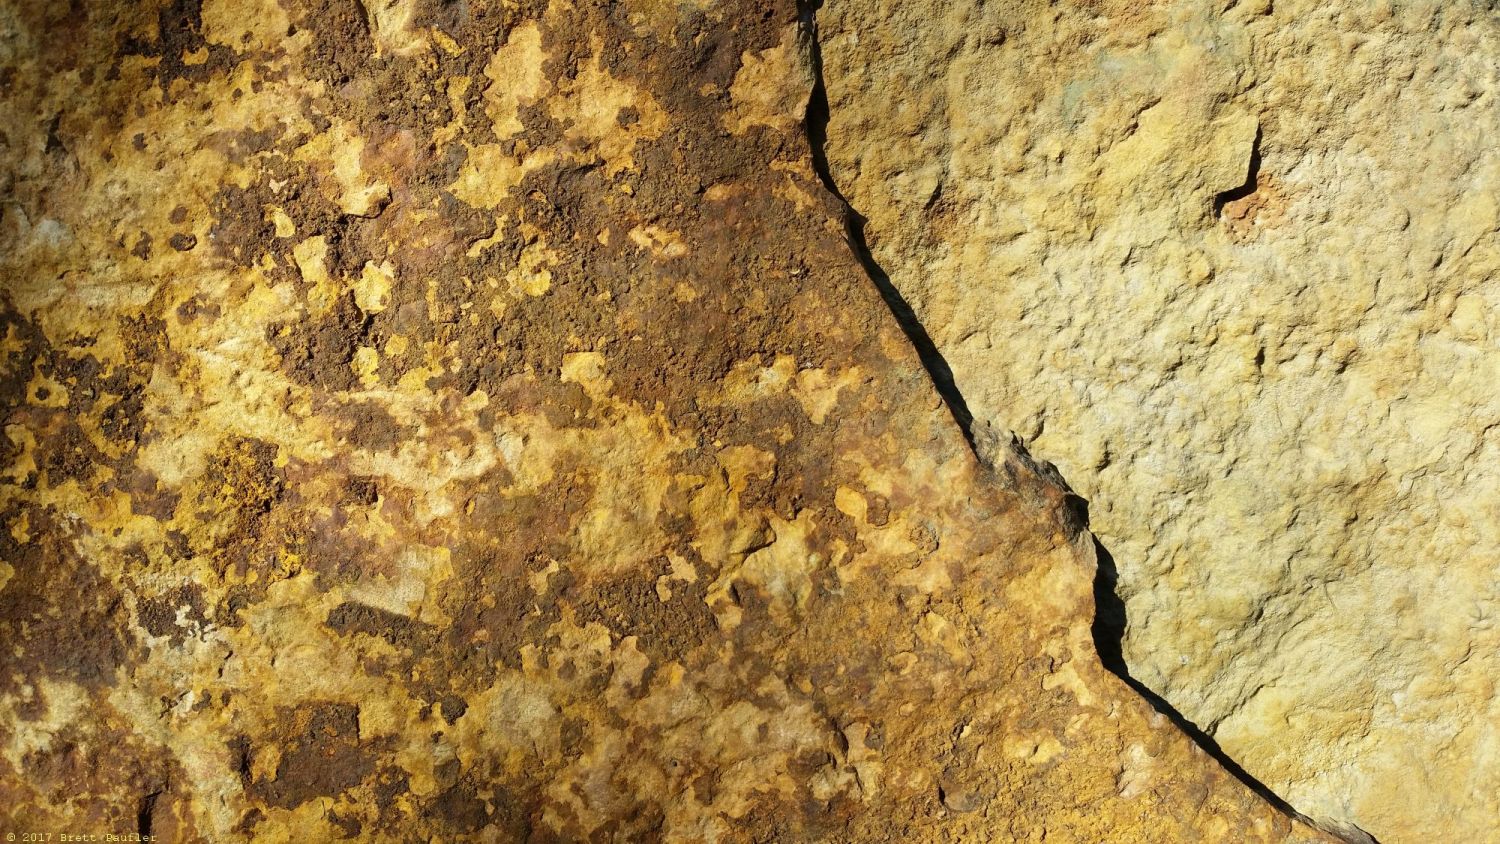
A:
[1110,620]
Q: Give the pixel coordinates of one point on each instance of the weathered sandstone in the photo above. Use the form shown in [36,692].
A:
[1233,267]
[464,421]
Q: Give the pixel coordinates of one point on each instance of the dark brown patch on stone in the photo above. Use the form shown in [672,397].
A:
[147,495]
[351,617]
[321,756]
[363,490]
[158,614]
[373,428]
[630,606]
[68,621]
[142,248]
[318,353]
[243,525]
[461,808]
[341,37]
[452,707]
[194,307]
[179,34]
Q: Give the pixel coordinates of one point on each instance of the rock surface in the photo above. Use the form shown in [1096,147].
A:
[1234,268]
[465,422]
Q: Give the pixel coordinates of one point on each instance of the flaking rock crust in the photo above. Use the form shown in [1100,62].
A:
[464,421]
[1234,267]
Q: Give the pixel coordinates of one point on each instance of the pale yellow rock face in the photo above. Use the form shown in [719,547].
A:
[1280,402]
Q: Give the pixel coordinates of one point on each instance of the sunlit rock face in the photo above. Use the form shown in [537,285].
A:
[432,421]
[1234,268]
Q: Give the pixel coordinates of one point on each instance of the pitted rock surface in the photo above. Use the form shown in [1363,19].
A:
[1234,267]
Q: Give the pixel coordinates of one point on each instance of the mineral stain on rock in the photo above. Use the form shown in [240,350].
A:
[323,758]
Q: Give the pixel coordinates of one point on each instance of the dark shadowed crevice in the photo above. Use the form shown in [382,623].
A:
[1109,631]
[1252,180]
[145,814]
[1110,619]
[854,232]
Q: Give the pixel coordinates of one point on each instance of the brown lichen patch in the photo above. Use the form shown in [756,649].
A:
[174,614]
[59,616]
[232,511]
[180,48]
[372,427]
[321,756]
[340,35]
[666,628]
[243,477]
[320,355]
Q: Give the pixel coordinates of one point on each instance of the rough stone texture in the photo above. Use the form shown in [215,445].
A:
[434,421]
[1233,268]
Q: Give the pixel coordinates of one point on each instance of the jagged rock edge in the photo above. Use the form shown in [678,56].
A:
[1005,452]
